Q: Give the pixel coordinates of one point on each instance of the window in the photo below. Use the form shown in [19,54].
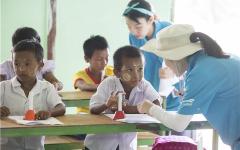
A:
[220,19]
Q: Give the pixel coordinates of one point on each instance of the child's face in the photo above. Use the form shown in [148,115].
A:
[99,60]
[141,29]
[25,65]
[131,72]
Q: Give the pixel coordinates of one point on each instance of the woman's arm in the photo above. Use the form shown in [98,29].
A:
[172,120]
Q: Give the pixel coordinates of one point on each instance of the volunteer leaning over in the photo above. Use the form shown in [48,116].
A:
[212,82]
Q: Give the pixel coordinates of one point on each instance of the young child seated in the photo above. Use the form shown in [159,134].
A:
[96,54]
[128,68]
[46,72]
[27,57]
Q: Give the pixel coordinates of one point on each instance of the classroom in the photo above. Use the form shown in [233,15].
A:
[66,30]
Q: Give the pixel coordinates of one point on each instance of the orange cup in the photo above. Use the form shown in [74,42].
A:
[29,115]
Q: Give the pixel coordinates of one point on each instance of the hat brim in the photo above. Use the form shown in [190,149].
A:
[175,53]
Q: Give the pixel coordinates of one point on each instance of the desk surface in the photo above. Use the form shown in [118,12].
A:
[86,124]
[73,124]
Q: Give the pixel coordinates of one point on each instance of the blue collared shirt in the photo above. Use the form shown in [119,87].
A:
[213,89]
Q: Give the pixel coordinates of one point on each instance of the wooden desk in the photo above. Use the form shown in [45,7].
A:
[81,98]
[73,124]
[86,124]
[76,98]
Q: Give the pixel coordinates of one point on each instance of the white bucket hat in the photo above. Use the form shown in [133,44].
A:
[173,42]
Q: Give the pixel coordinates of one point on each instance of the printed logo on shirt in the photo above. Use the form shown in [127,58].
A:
[187,103]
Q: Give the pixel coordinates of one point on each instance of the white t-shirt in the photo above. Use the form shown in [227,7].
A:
[45,97]
[126,141]
[6,68]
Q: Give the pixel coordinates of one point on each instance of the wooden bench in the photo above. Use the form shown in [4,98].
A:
[62,143]
[145,139]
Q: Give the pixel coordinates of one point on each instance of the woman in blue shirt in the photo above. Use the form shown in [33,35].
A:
[144,26]
[212,82]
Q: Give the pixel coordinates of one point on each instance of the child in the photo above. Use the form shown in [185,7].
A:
[27,56]
[46,72]
[128,68]
[96,54]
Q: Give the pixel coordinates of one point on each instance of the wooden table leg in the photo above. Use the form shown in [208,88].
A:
[215,140]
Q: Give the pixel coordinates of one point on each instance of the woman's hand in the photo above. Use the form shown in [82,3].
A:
[42,115]
[166,73]
[145,106]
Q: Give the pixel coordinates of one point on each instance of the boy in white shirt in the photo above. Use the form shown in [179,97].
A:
[46,71]
[128,70]
[15,93]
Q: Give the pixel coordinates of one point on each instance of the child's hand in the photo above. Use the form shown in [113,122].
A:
[58,86]
[4,111]
[112,100]
[114,108]
[144,107]
[42,115]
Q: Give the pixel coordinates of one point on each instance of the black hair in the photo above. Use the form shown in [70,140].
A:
[134,14]
[24,33]
[30,46]
[210,46]
[125,52]
[94,43]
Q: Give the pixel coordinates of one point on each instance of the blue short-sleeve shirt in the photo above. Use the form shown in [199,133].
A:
[173,101]
[213,89]
[152,61]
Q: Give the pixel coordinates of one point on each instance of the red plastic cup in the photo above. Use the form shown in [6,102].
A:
[29,115]
[119,115]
